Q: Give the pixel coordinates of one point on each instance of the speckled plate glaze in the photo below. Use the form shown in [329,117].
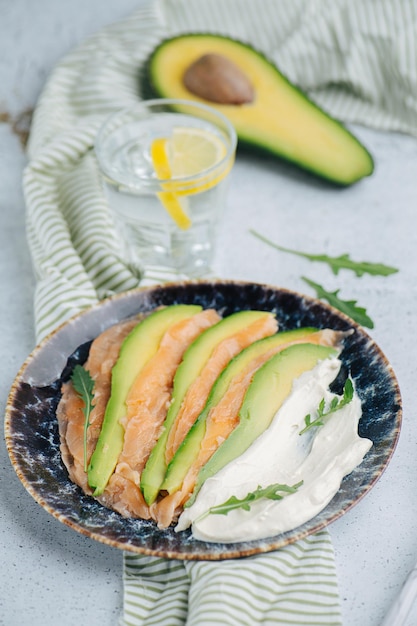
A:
[32,433]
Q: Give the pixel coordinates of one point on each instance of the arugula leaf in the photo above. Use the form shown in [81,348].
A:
[336,263]
[84,386]
[270,492]
[334,406]
[346,306]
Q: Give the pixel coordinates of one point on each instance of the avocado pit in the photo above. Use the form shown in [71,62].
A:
[215,78]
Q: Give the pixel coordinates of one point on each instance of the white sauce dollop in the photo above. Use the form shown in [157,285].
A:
[320,457]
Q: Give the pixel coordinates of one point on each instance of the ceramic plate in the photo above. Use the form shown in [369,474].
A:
[32,432]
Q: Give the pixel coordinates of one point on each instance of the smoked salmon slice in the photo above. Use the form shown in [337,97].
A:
[150,396]
[103,354]
[147,405]
[199,390]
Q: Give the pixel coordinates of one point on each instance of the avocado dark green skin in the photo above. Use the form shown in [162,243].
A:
[149,90]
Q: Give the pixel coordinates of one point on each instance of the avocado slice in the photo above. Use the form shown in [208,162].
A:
[195,357]
[270,386]
[137,349]
[280,120]
[189,449]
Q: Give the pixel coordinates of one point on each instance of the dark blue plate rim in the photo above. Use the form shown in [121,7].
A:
[33,443]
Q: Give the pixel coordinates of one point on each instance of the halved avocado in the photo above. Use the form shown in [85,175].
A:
[280,120]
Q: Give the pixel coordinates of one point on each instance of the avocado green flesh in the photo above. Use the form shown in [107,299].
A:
[281,121]
[270,386]
[190,447]
[137,349]
[195,357]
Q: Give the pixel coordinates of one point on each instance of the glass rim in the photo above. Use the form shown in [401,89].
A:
[151,181]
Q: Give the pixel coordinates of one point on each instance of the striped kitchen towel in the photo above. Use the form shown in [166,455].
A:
[294,585]
[357,60]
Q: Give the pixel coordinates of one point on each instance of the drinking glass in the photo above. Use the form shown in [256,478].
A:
[165,166]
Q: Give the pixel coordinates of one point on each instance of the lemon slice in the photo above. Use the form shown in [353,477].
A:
[160,158]
[188,152]
[169,200]
[191,151]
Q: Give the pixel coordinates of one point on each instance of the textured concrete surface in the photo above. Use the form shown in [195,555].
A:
[52,575]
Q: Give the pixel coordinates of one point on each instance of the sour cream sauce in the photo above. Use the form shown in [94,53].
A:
[320,457]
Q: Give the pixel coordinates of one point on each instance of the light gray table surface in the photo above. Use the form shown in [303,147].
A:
[51,575]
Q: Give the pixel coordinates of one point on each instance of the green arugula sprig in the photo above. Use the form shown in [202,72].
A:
[335,404]
[349,307]
[336,263]
[272,492]
[84,386]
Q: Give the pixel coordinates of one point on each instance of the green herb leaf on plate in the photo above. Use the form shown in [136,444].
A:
[84,386]
[336,263]
[273,492]
[334,406]
[348,307]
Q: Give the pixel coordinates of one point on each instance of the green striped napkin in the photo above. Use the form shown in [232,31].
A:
[295,585]
[357,60]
